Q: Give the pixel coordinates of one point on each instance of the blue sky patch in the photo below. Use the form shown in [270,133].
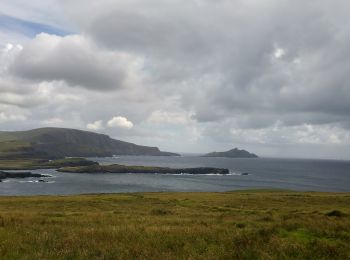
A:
[28,28]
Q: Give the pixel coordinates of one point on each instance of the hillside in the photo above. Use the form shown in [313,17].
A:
[234,153]
[62,142]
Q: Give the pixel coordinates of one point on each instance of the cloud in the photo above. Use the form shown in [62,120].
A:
[262,63]
[120,122]
[53,121]
[72,59]
[279,53]
[160,116]
[97,125]
[4,117]
[213,73]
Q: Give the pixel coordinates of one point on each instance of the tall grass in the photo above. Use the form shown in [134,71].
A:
[237,225]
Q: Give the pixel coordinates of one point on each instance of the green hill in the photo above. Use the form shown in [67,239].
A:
[62,142]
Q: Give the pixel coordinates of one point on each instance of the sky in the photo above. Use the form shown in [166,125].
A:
[188,76]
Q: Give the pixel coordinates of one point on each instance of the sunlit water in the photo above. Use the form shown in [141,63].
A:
[301,175]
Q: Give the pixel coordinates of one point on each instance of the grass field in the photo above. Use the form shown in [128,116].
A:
[237,225]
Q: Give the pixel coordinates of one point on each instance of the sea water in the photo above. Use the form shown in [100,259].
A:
[263,173]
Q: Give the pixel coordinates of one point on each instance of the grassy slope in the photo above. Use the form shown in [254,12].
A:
[13,148]
[238,225]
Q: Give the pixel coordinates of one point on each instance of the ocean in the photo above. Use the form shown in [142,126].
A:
[263,173]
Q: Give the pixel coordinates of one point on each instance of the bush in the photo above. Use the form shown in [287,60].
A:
[335,213]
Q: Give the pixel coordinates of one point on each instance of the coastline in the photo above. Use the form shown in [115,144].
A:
[299,175]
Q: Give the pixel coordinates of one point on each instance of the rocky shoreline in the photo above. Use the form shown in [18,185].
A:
[20,175]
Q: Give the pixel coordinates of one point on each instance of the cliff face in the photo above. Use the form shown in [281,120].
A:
[234,153]
[61,142]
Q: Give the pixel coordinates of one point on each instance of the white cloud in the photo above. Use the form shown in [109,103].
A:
[281,135]
[169,117]
[97,125]
[8,47]
[75,60]
[120,122]
[4,117]
[53,121]
[279,53]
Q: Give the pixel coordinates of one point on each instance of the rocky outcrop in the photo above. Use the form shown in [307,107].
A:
[20,175]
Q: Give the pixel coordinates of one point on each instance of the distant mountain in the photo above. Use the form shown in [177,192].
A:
[234,153]
[62,142]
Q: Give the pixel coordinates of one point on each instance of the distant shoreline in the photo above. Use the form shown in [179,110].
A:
[238,191]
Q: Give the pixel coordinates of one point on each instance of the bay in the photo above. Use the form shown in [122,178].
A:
[263,173]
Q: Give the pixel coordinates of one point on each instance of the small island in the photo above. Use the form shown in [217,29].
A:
[234,153]
[117,168]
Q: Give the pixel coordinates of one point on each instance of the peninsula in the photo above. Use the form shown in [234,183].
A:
[62,142]
[117,168]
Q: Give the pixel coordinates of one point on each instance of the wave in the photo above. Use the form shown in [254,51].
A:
[206,174]
[37,181]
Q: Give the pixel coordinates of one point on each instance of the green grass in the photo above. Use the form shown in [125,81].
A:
[234,225]
[20,164]
[14,148]
[35,163]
